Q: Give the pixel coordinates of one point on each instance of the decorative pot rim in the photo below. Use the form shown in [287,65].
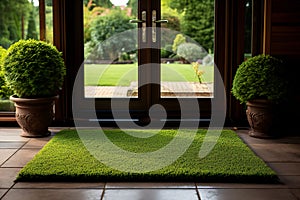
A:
[262,102]
[14,98]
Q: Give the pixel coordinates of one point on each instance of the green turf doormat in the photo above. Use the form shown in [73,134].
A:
[146,155]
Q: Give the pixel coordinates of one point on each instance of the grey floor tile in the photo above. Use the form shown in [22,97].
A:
[296,192]
[240,186]
[8,175]
[11,145]
[246,194]
[291,181]
[11,135]
[53,194]
[286,168]
[141,185]
[37,142]
[10,131]
[58,185]
[2,192]
[150,194]
[5,154]
[243,134]
[278,152]
[21,158]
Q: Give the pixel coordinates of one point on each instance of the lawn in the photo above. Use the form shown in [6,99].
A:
[124,74]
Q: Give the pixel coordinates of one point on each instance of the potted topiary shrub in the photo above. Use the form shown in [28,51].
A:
[260,82]
[34,70]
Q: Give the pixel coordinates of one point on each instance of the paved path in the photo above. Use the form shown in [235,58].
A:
[169,89]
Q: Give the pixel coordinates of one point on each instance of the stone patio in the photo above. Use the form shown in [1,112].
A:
[168,89]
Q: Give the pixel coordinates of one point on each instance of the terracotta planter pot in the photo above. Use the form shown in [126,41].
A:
[34,116]
[262,117]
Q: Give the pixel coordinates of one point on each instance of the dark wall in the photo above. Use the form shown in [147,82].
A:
[282,39]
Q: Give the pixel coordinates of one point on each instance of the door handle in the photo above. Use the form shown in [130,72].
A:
[136,21]
[161,21]
[144,26]
[154,22]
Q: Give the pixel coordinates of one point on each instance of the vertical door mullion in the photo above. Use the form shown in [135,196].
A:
[149,56]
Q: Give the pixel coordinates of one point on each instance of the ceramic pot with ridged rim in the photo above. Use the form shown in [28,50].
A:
[34,116]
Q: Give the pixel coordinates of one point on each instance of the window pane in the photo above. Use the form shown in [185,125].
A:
[248,29]
[49,21]
[110,68]
[187,49]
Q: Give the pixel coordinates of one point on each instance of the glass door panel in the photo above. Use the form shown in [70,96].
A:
[187,59]
[110,68]
[138,67]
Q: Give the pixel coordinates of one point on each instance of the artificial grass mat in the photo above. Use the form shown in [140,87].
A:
[65,158]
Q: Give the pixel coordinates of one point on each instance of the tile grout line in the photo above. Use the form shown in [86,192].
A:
[18,149]
[103,191]
[14,183]
[294,195]
[197,191]
[5,193]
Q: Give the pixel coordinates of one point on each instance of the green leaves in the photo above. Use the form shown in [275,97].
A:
[34,68]
[106,42]
[191,52]
[261,76]
[198,21]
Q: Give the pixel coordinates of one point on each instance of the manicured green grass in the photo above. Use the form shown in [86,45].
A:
[124,74]
[65,158]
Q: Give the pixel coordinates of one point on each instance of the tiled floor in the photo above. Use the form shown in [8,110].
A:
[283,155]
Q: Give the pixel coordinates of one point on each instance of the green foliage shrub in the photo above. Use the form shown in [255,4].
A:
[173,21]
[191,52]
[31,29]
[5,92]
[179,39]
[107,27]
[5,42]
[166,52]
[208,60]
[34,69]
[198,20]
[260,77]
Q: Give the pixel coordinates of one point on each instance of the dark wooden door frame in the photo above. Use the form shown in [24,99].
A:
[68,37]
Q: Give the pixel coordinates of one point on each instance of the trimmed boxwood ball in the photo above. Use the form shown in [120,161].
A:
[260,77]
[34,69]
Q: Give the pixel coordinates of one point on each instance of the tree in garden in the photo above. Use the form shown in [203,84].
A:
[133,4]
[198,20]
[90,13]
[31,29]
[11,13]
[100,3]
[109,26]
[4,33]
[48,2]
